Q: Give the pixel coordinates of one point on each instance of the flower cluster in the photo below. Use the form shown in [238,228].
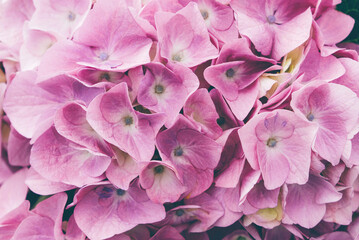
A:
[178,119]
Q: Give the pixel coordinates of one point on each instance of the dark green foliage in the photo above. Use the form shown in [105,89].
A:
[351,7]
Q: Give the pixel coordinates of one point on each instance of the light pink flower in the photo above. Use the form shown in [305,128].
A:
[103,42]
[332,32]
[59,18]
[34,112]
[161,182]
[334,109]
[278,140]
[188,43]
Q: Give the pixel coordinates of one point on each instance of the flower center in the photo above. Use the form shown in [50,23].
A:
[177,57]
[230,73]
[179,212]
[105,76]
[178,151]
[204,14]
[159,89]
[128,120]
[271,19]
[71,16]
[159,169]
[120,192]
[103,56]
[272,142]
[310,117]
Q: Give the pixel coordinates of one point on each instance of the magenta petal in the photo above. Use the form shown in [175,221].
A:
[348,79]
[73,232]
[161,90]
[211,212]
[56,158]
[245,101]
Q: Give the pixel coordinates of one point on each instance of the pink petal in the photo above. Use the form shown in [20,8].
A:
[335,31]
[56,158]
[13,192]
[70,121]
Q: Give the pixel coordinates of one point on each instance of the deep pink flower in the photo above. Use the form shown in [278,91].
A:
[275,27]
[200,108]
[193,154]
[18,149]
[163,90]
[112,116]
[235,75]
